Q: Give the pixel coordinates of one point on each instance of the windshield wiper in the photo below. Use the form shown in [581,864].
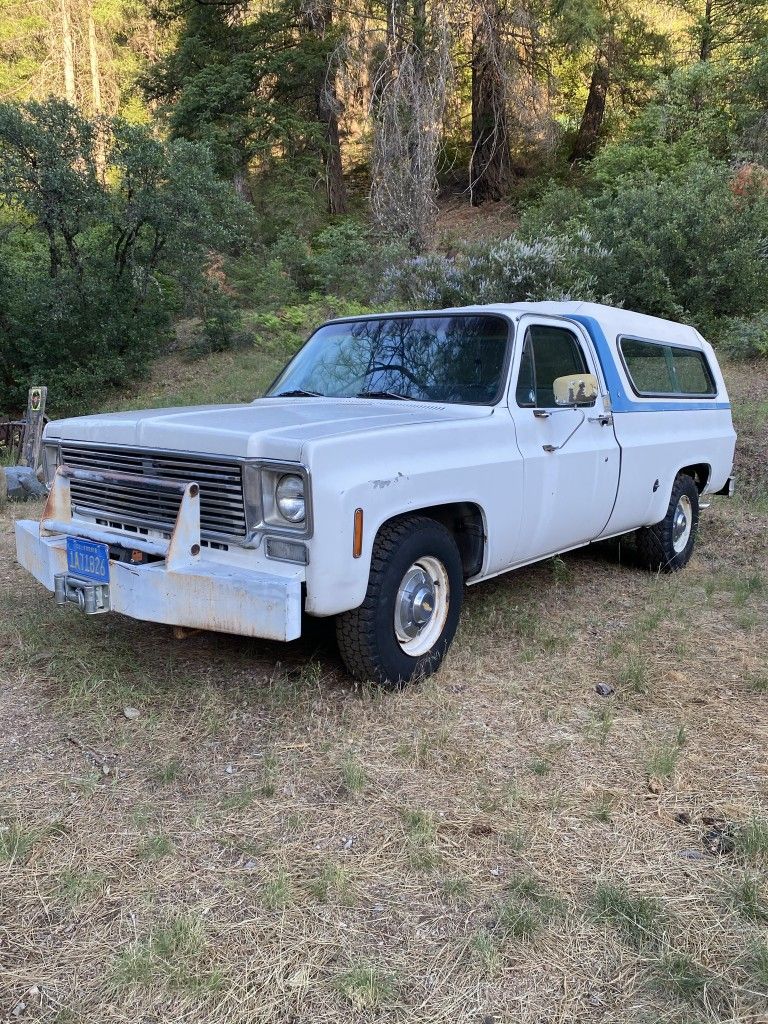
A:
[384,394]
[298,393]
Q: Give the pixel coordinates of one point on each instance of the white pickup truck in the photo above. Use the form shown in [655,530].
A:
[396,458]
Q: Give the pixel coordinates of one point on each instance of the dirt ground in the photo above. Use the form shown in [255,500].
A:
[263,842]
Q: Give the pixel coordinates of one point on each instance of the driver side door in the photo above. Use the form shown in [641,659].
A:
[570,455]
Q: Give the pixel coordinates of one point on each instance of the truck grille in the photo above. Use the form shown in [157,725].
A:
[222,508]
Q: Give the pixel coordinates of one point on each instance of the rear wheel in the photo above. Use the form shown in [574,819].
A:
[668,545]
[411,609]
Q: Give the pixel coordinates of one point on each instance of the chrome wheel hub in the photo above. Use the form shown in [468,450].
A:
[682,523]
[415,602]
[421,606]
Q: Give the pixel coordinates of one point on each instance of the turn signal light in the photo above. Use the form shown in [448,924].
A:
[357,537]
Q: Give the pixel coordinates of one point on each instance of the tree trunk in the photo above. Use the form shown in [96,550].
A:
[96,103]
[490,168]
[588,136]
[320,20]
[705,48]
[241,186]
[334,171]
[68,53]
[93,55]
[419,23]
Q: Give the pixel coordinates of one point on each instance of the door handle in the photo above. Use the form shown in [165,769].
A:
[604,420]
[542,414]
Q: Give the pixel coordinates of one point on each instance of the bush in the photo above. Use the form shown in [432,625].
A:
[221,323]
[511,270]
[343,259]
[78,337]
[684,246]
[261,281]
[687,244]
[695,106]
[744,338]
[620,161]
[342,253]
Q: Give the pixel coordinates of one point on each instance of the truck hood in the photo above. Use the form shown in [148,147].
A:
[272,428]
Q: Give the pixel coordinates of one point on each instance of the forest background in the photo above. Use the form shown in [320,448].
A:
[208,175]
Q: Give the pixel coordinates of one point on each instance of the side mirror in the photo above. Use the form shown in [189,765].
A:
[575,389]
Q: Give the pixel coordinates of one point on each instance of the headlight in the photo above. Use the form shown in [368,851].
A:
[289,498]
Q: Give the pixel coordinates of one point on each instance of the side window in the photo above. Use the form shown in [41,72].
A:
[692,372]
[548,353]
[526,378]
[656,369]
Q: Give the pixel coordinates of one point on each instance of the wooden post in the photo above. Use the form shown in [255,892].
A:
[33,428]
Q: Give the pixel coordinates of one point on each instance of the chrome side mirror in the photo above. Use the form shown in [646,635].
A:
[575,389]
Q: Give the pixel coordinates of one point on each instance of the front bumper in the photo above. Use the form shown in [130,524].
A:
[206,595]
[178,588]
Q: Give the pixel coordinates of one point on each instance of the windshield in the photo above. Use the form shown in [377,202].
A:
[457,358]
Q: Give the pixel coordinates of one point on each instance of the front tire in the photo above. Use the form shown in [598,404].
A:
[668,545]
[408,619]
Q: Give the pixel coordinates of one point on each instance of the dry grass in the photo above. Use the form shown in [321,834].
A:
[267,844]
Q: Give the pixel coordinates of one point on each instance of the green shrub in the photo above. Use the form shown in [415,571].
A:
[638,159]
[297,259]
[91,270]
[510,270]
[261,281]
[342,252]
[221,326]
[744,337]
[343,259]
[696,106]
[682,244]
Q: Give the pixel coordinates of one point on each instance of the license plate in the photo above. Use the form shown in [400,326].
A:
[88,560]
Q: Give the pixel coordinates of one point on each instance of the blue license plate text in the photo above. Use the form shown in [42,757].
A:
[88,560]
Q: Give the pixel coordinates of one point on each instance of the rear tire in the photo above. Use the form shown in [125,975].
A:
[408,619]
[668,546]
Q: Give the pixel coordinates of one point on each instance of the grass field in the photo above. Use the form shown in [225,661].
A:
[264,843]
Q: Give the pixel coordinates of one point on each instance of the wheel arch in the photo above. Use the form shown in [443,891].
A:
[465,521]
[700,472]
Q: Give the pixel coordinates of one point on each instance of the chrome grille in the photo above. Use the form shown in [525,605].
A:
[222,508]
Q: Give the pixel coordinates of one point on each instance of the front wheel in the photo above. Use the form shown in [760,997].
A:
[668,545]
[408,619]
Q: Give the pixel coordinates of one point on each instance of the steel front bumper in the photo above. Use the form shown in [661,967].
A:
[182,589]
[208,595]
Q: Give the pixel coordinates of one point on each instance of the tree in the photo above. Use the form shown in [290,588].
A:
[409,92]
[721,28]
[623,53]
[68,53]
[253,88]
[89,268]
[85,51]
[319,20]
[490,168]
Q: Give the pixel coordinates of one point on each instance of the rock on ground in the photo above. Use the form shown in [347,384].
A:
[19,483]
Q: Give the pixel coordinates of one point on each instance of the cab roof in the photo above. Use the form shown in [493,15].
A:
[613,320]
